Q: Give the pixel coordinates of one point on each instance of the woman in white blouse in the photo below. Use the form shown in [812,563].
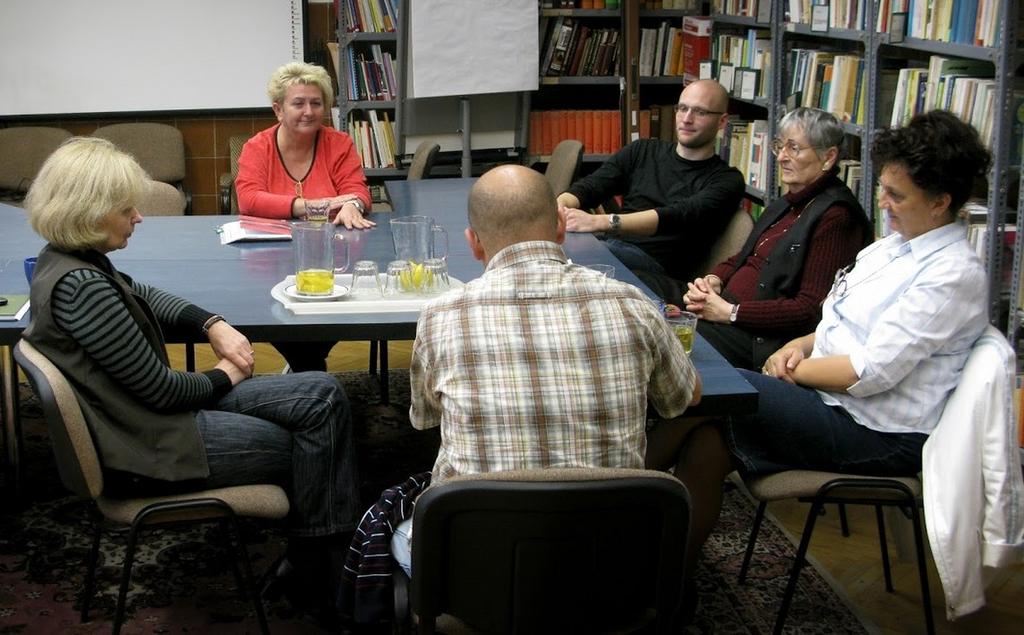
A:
[862,393]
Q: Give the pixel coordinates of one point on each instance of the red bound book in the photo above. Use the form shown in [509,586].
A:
[605,132]
[562,129]
[536,137]
[548,119]
[696,45]
[589,138]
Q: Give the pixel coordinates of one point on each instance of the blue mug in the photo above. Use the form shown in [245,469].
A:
[30,268]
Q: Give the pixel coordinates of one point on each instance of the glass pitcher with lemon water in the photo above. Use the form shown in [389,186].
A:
[314,246]
[415,240]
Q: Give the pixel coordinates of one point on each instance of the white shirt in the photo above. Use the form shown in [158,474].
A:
[907,315]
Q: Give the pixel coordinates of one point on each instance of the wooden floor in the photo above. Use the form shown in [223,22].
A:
[854,562]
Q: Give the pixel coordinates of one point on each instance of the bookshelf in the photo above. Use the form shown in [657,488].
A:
[369,85]
[581,82]
[859,28]
[744,40]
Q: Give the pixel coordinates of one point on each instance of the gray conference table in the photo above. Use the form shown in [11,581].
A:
[183,255]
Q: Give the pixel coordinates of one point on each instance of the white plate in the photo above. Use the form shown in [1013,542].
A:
[340,291]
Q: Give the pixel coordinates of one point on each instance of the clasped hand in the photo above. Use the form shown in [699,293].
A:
[703,298]
[234,350]
[783,362]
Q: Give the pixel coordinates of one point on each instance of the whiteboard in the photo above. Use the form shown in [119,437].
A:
[468,47]
[108,56]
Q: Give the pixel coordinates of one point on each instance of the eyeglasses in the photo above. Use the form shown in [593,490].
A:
[791,148]
[683,109]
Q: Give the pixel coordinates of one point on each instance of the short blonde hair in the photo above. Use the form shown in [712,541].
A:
[83,181]
[294,73]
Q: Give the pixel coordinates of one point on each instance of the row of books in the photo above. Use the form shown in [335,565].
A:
[661,50]
[374,137]
[574,48]
[579,4]
[600,131]
[372,79]
[842,14]
[827,80]
[851,173]
[974,22]
[369,16]
[614,4]
[758,9]
[658,122]
[749,52]
[684,5]
[668,50]
[964,87]
[745,145]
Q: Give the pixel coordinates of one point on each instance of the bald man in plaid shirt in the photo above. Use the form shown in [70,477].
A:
[538,363]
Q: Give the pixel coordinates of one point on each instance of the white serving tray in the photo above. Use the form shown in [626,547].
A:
[352,304]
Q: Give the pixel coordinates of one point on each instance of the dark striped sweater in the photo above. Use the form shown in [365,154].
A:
[92,312]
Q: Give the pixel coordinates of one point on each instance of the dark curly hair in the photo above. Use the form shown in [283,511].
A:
[940,154]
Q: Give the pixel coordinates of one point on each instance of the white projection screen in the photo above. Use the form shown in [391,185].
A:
[118,56]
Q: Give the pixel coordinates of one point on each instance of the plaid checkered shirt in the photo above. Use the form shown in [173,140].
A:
[540,363]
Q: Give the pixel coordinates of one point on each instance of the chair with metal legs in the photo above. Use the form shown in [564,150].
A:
[820,488]
[81,472]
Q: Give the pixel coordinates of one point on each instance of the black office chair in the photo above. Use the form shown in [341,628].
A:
[559,550]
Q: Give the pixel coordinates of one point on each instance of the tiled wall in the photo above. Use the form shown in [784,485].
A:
[206,137]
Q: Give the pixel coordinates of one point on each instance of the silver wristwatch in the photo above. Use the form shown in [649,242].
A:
[735,311]
[614,224]
[359,205]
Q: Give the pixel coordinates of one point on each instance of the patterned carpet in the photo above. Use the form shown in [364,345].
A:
[182,582]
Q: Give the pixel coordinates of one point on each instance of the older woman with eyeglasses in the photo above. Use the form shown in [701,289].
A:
[772,289]
[862,392]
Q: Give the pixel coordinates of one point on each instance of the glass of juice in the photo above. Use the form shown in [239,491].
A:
[684,326]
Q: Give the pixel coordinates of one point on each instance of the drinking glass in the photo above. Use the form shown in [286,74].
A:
[608,271]
[365,281]
[684,328]
[398,279]
[317,209]
[435,276]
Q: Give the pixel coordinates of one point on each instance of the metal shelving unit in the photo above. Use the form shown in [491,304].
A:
[346,105]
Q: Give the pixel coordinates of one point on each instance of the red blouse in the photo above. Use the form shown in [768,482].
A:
[266,189]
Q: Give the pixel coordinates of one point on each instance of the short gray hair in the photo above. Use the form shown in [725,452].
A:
[822,129]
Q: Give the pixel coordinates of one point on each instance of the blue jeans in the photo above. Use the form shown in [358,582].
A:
[294,430]
[794,429]
[635,258]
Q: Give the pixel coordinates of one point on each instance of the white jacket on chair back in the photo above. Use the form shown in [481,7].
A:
[973,491]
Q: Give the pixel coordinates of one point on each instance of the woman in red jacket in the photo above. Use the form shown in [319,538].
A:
[299,160]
